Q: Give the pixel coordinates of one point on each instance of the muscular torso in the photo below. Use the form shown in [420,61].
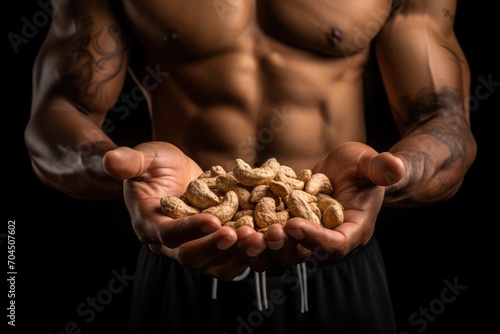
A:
[255,78]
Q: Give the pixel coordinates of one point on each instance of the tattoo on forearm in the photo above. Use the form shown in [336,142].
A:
[440,115]
[429,104]
[93,57]
[415,168]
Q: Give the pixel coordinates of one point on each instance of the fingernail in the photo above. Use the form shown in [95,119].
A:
[275,245]
[252,251]
[296,234]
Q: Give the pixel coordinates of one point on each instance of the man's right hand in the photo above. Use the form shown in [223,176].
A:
[156,169]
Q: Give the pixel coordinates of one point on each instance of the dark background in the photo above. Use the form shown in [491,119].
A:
[69,250]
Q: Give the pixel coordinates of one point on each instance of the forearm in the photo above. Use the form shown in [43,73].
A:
[437,157]
[77,174]
[427,79]
[67,155]
[77,77]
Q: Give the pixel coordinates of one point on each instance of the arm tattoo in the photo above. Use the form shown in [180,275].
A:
[440,115]
[93,58]
[447,103]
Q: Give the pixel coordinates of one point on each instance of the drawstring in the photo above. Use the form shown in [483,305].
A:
[302,274]
[261,287]
[240,277]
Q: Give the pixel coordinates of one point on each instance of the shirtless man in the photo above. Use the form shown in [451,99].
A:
[253,79]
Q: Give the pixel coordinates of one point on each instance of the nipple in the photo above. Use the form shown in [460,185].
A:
[335,36]
[172,36]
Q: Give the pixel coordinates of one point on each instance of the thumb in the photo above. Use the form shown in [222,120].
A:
[382,169]
[125,163]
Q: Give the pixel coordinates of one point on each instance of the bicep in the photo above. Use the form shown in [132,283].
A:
[83,60]
[424,70]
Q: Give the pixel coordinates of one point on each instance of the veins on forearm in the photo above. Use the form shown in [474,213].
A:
[439,121]
[440,115]
[93,58]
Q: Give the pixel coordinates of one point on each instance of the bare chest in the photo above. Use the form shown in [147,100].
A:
[201,28]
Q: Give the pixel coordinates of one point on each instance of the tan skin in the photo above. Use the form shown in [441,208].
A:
[229,79]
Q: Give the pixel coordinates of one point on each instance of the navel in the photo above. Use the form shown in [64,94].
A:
[335,36]
[172,36]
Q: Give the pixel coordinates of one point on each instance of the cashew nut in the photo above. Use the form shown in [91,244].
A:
[242,221]
[332,211]
[252,177]
[304,175]
[288,171]
[319,183]
[264,190]
[213,172]
[243,213]
[258,197]
[265,213]
[175,207]
[291,182]
[298,203]
[200,195]
[228,182]
[280,189]
[226,209]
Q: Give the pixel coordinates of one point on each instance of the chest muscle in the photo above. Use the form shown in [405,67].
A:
[200,28]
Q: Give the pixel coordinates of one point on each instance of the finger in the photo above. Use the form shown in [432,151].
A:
[223,262]
[382,169]
[275,237]
[212,263]
[197,253]
[261,263]
[174,233]
[125,163]
[323,243]
[283,249]
[250,243]
[251,250]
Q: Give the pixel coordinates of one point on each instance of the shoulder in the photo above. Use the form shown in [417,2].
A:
[77,18]
[67,12]
[436,16]
[438,10]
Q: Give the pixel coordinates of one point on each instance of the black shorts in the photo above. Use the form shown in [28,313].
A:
[350,296]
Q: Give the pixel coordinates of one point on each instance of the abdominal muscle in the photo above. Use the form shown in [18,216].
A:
[295,107]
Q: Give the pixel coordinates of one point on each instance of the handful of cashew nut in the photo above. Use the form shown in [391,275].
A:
[258,197]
